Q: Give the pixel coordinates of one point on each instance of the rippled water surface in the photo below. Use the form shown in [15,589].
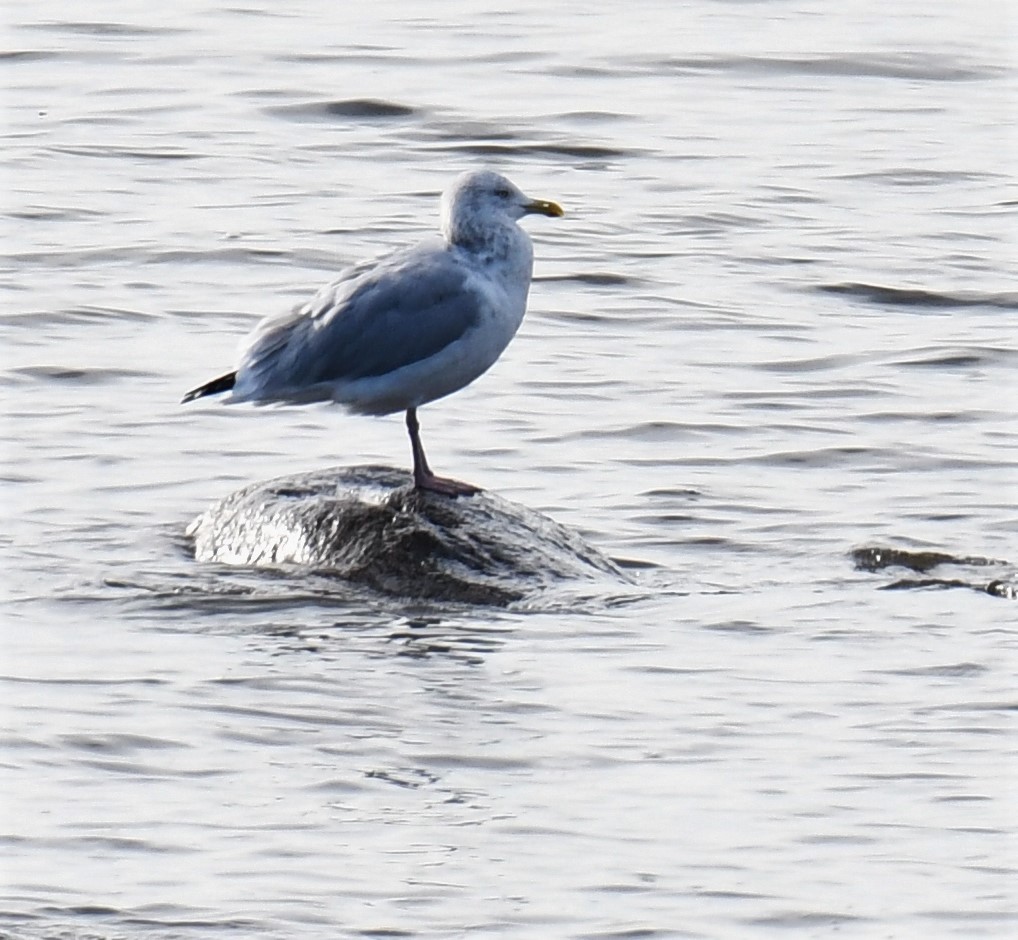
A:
[769,364]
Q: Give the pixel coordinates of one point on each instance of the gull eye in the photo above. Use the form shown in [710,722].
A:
[503,193]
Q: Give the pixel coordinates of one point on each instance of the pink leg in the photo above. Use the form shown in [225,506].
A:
[424,479]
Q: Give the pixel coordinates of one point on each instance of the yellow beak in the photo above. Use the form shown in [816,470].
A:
[544,207]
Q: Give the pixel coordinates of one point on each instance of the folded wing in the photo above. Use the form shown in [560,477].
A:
[371,322]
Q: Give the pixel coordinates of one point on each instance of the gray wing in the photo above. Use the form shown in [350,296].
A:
[373,320]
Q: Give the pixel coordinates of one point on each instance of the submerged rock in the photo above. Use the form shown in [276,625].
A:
[968,571]
[368,525]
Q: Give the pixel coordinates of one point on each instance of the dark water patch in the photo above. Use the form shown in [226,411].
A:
[832,839]
[921,298]
[819,364]
[350,50]
[614,888]
[635,564]
[85,910]
[936,417]
[655,669]
[117,844]
[79,258]
[953,671]
[101,28]
[825,457]
[74,682]
[55,213]
[359,109]
[116,742]
[808,921]
[218,256]
[76,316]
[710,223]
[137,769]
[594,279]
[66,376]
[668,518]
[569,151]
[286,717]
[572,316]
[386,933]
[460,129]
[590,117]
[989,706]
[908,177]
[636,933]
[502,57]
[470,650]
[964,358]
[614,70]
[28,55]
[398,57]
[745,627]
[214,600]
[906,65]
[651,431]
[730,895]
[161,917]
[773,193]
[974,915]
[120,153]
[925,775]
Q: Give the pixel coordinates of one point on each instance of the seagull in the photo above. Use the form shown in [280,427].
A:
[405,329]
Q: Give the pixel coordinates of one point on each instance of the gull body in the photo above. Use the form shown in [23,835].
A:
[403,330]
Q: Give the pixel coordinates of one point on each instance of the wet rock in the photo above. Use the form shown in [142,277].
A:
[367,525]
[968,570]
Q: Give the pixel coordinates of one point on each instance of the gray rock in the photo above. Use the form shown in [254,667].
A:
[369,526]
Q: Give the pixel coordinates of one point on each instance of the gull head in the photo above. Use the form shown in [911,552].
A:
[480,202]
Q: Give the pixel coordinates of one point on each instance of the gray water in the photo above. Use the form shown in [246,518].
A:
[775,327]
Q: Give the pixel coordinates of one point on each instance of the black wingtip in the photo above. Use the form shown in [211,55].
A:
[223,384]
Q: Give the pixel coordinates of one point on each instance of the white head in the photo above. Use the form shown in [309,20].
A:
[480,202]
